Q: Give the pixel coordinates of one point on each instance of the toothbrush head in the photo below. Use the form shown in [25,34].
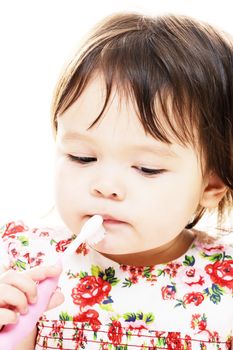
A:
[91,232]
[99,232]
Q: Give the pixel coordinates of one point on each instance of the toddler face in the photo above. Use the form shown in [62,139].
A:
[146,190]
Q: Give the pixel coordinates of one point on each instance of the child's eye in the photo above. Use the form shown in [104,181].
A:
[81,160]
[149,171]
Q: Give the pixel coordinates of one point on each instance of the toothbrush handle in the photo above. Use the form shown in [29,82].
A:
[12,334]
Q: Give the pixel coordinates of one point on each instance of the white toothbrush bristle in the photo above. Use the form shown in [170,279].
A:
[92,232]
[98,235]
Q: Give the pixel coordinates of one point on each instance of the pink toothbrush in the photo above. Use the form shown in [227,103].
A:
[12,334]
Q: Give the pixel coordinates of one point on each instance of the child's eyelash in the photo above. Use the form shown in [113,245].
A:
[148,171]
[143,170]
[81,160]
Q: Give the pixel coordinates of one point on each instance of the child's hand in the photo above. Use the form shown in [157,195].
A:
[18,289]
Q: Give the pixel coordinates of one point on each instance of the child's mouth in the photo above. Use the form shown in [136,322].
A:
[109,220]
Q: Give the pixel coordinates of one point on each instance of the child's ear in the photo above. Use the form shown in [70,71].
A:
[214,191]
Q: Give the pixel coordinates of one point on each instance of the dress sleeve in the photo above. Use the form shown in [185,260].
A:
[26,247]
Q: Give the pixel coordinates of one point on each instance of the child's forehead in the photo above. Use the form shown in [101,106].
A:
[120,106]
[92,103]
[120,117]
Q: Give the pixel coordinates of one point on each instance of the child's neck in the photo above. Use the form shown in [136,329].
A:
[160,255]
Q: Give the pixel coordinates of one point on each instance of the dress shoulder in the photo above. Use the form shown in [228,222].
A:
[28,247]
[222,240]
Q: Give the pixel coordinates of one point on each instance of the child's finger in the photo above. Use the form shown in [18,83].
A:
[39,273]
[13,299]
[24,281]
[56,299]
[3,268]
[8,316]
[20,281]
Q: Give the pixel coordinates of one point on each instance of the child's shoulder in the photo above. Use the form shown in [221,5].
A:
[27,247]
[222,242]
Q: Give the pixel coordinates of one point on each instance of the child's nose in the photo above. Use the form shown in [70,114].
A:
[108,189]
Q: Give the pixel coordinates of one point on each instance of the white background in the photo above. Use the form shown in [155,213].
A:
[36,38]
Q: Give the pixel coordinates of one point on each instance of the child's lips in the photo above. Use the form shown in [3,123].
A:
[110,220]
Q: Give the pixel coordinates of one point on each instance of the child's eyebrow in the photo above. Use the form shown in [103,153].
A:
[157,149]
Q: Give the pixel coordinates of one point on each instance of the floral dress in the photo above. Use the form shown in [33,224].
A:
[184,304]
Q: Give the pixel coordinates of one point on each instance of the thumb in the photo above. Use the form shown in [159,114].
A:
[57,298]
[40,273]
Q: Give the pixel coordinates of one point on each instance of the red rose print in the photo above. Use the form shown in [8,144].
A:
[80,338]
[62,245]
[138,328]
[124,267]
[228,343]
[199,323]
[12,228]
[15,253]
[139,270]
[132,270]
[91,317]
[168,292]
[82,249]
[221,273]
[195,320]
[171,269]
[115,333]
[34,260]
[174,341]
[44,234]
[202,325]
[91,290]
[134,279]
[195,297]
[192,277]
[190,272]
[57,332]
[188,342]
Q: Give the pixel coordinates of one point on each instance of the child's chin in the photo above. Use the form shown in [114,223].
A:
[107,246]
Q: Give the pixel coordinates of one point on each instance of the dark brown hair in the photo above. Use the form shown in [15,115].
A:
[183,63]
